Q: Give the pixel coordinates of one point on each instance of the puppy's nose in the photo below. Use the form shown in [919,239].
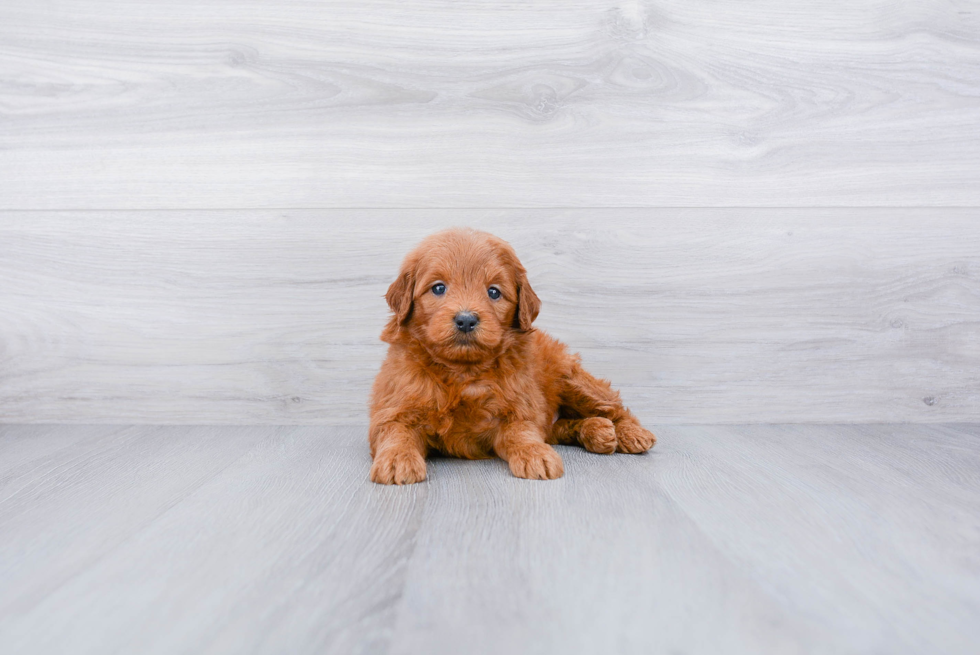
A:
[466,321]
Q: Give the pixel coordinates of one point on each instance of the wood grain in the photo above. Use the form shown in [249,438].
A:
[95,489]
[735,539]
[286,547]
[808,539]
[715,316]
[847,567]
[209,104]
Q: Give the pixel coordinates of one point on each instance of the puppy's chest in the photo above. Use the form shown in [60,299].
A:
[466,428]
[479,407]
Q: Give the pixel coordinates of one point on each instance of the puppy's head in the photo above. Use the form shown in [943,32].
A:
[463,295]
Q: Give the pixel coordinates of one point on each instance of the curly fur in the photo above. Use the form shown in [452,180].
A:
[494,391]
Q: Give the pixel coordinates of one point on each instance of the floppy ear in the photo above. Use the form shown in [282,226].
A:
[400,294]
[528,304]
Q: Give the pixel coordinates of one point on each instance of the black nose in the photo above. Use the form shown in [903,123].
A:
[466,321]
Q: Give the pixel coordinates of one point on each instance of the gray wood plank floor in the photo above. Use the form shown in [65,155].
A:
[738,539]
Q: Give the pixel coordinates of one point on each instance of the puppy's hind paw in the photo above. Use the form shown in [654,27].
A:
[598,435]
[398,467]
[633,437]
[536,461]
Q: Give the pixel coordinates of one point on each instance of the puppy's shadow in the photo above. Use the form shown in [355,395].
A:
[444,467]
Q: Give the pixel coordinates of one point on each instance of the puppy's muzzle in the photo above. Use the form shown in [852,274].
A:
[466,321]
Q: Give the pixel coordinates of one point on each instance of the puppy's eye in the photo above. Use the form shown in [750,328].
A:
[439,289]
[494,293]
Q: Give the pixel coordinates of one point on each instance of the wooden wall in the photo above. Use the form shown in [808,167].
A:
[700,315]
[741,212]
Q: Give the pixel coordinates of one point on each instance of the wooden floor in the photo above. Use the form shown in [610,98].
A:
[744,539]
[760,213]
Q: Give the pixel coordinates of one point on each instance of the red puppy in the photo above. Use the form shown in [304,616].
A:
[466,374]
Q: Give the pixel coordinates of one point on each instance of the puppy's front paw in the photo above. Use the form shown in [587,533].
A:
[398,466]
[535,461]
[633,437]
[598,435]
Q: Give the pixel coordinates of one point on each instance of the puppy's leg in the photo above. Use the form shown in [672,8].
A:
[399,455]
[522,445]
[589,396]
[596,433]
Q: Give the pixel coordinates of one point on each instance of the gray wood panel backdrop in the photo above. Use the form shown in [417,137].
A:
[741,212]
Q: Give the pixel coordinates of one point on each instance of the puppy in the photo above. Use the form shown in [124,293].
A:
[466,375]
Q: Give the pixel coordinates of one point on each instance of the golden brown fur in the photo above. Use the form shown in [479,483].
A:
[493,391]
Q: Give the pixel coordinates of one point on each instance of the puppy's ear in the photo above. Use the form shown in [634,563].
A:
[400,294]
[528,304]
